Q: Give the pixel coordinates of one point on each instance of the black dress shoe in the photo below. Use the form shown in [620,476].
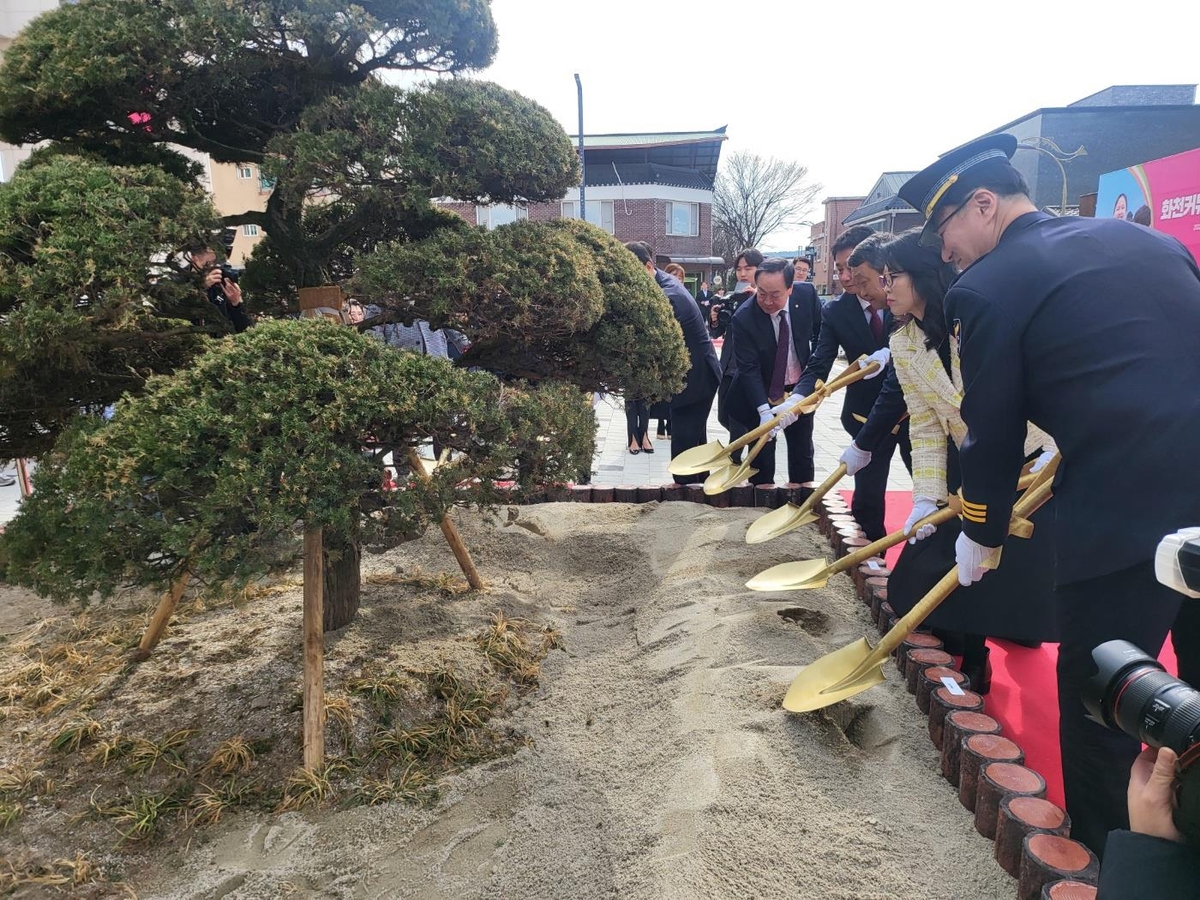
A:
[979,674]
[1032,645]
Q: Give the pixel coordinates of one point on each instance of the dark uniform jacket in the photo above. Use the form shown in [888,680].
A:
[705,371]
[1090,329]
[844,324]
[754,351]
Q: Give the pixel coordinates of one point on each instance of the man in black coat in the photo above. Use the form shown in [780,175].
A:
[803,291]
[1087,328]
[860,327]
[745,265]
[766,367]
[690,407]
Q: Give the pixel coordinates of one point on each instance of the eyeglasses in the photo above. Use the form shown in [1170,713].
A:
[887,279]
[934,238]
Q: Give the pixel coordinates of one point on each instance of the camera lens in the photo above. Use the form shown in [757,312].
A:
[1131,692]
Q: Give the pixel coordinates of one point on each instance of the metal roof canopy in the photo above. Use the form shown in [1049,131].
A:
[696,150]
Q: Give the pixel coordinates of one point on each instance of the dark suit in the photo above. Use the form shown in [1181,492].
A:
[753,334]
[805,292]
[728,364]
[844,325]
[690,407]
[1141,867]
[1087,328]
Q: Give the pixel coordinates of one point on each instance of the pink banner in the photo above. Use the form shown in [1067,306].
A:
[1163,193]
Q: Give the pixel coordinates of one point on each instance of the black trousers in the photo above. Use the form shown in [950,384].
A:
[1129,605]
[689,428]
[799,436]
[637,420]
[1185,634]
[870,482]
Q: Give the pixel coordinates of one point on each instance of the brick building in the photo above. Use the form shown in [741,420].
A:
[640,187]
[824,234]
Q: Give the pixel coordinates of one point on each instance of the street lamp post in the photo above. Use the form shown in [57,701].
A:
[1060,156]
[582,162]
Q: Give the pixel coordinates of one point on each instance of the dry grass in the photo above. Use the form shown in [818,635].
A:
[146,754]
[232,757]
[306,788]
[445,583]
[516,647]
[139,815]
[60,873]
[10,811]
[209,803]
[74,734]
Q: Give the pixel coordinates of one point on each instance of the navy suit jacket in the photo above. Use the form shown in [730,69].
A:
[843,324]
[805,292]
[754,352]
[1090,329]
[705,371]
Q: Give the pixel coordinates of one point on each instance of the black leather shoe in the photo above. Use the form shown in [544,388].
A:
[1032,645]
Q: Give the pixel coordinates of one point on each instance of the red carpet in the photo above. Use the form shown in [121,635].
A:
[1024,694]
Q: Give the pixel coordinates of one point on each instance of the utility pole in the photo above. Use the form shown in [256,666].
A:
[582,163]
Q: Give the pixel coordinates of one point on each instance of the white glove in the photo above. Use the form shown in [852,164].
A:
[787,408]
[854,458]
[1040,462]
[765,416]
[922,507]
[883,357]
[970,557]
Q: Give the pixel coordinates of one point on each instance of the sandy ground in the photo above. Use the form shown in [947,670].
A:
[660,764]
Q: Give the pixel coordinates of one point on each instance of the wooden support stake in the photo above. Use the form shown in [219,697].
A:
[24,484]
[314,649]
[162,615]
[457,547]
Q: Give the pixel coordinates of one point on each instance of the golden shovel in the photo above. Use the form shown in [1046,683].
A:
[715,455]
[807,574]
[721,480]
[789,517]
[859,666]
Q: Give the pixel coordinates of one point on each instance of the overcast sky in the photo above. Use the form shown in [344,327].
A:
[849,90]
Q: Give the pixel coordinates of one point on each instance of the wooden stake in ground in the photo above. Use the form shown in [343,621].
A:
[457,547]
[162,615]
[314,649]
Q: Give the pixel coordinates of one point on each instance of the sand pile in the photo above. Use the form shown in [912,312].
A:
[659,765]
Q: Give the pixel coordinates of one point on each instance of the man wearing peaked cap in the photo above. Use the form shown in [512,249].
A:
[1087,328]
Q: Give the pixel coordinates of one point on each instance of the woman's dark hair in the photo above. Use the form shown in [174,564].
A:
[931,279]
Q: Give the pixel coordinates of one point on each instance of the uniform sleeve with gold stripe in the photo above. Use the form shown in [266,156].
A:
[993,408]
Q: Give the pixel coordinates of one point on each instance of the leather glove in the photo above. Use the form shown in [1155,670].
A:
[970,557]
[854,458]
[1041,461]
[766,416]
[922,507]
[883,357]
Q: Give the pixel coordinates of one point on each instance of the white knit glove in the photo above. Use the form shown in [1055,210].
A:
[922,507]
[765,416]
[1040,462]
[854,458]
[970,557]
[883,357]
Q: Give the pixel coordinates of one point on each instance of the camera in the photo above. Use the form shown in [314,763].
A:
[229,272]
[1131,692]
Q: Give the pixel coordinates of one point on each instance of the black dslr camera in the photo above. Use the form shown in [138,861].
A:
[1131,692]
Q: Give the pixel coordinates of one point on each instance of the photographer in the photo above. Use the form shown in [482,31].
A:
[220,284]
[1151,860]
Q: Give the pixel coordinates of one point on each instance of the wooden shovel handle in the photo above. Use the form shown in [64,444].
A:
[1031,501]
[852,373]
[757,448]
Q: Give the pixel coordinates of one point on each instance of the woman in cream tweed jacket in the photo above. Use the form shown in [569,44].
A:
[1017,601]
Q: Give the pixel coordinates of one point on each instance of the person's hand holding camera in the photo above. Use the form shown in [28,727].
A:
[213,277]
[232,291]
[1152,794]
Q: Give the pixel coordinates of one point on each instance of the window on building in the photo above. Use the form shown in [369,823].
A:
[683,218]
[245,172]
[599,212]
[499,214]
[250,230]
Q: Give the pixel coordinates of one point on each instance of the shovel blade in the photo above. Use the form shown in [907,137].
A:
[778,522]
[793,576]
[695,460]
[723,479]
[828,680]
[427,465]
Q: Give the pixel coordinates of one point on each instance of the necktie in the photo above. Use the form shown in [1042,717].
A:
[877,326]
[782,341]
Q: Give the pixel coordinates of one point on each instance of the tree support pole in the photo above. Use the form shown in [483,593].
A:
[457,547]
[162,615]
[314,649]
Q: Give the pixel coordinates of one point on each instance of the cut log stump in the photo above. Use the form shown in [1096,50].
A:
[1046,858]
[978,751]
[1022,816]
[959,726]
[999,780]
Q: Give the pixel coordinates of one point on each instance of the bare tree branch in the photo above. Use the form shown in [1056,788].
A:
[756,196]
